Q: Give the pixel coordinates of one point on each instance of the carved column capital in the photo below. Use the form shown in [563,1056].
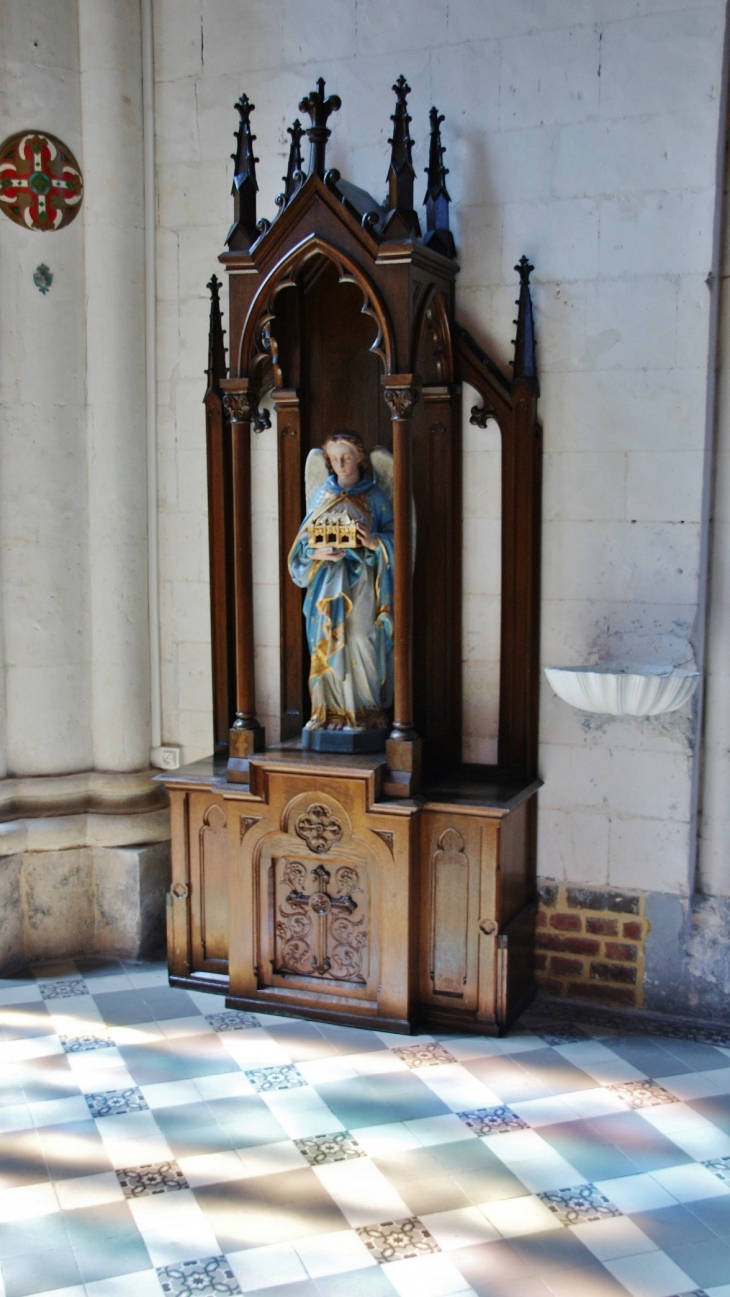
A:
[240,406]
[400,399]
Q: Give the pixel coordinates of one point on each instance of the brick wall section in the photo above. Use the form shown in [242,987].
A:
[590,944]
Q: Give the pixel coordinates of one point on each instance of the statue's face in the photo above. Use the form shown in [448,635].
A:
[345,461]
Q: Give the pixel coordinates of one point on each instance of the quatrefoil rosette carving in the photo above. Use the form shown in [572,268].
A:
[319,828]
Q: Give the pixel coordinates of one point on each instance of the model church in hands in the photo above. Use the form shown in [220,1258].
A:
[358,871]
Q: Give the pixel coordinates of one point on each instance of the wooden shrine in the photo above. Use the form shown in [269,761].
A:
[386,889]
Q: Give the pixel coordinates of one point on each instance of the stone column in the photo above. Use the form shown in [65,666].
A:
[43,514]
[111,113]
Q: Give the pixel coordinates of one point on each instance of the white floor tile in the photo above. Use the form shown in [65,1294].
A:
[376,1061]
[334,1253]
[136,1033]
[457,1088]
[176,1028]
[173,1227]
[446,1129]
[227,1085]
[691,1182]
[253,1049]
[394,1039]
[462,1227]
[702,1144]
[467,1047]
[133,1140]
[382,1141]
[26,1202]
[594,1103]
[613,1237]
[653,1274]
[19,1051]
[635,1193]
[427,1276]
[362,1192]
[721,1078]
[260,1267]
[54,1112]
[321,1071]
[612,1072]
[583,1052]
[88,1190]
[268,1159]
[111,982]
[691,1085]
[544,1173]
[150,977]
[670,1118]
[144,1283]
[16,1116]
[94,1080]
[313,1117]
[170,1094]
[23,994]
[722,1291]
[92,1060]
[520,1044]
[75,1290]
[517,1146]
[544,1112]
[211,1168]
[520,1216]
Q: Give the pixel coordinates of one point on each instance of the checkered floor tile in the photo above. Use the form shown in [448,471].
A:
[153,1142]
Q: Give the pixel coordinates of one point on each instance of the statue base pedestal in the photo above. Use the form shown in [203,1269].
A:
[344,741]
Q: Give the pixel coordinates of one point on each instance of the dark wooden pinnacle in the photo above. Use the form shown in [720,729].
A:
[216,350]
[525,361]
[319,110]
[244,232]
[294,177]
[401,221]
[438,235]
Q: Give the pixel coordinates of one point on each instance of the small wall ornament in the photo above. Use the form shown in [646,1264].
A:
[43,278]
[41,186]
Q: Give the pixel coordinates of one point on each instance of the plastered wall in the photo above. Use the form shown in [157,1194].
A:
[585,136]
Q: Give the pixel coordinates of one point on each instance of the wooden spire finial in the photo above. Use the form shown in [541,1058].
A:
[401,221]
[525,361]
[438,235]
[216,350]
[294,178]
[318,109]
[244,230]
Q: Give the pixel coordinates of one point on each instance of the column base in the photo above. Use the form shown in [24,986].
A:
[403,775]
[241,745]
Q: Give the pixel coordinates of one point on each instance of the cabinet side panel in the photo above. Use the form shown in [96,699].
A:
[209,883]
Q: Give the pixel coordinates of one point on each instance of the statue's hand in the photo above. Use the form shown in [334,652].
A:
[329,555]
[365,537]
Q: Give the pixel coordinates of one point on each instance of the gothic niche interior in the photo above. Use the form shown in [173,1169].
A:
[358,871]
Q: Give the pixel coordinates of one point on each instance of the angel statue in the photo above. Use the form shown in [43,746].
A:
[343,558]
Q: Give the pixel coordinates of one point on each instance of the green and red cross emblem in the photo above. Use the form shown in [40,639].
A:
[40,181]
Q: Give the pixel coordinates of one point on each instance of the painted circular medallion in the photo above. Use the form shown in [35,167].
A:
[40,181]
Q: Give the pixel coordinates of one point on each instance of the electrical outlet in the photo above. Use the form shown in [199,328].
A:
[165,758]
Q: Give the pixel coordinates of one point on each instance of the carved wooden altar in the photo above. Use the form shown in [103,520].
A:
[392,889]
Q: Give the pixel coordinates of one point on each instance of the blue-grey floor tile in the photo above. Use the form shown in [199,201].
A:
[165,1002]
[714,1213]
[177,1060]
[372,1282]
[487,1264]
[19,1236]
[375,1100]
[104,1258]
[351,1040]
[40,1271]
[191,1129]
[75,1148]
[94,966]
[649,1057]
[716,1109]
[646,1147]
[512,1082]
[106,1221]
[247,1121]
[24,1021]
[553,1249]
[672,1225]
[49,1078]
[592,1155]
[22,1159]
[697,1056]
[422,1183]
[303,1288]
[298,1204]
[123,1008]
[550,1068]
[707,1263]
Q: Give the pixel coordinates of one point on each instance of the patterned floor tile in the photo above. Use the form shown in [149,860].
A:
[154,1177]
[429,1055]
[286,1077]
[115,1103]
[338,1147]
[561,1034]
[210,1276]
[492,1121]
[63,990]
[84,1044]
[720,1166]
[398,1240]
[584,1202]
[642,1094]
[232,1020]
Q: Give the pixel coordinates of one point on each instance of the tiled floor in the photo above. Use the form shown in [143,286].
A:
[152,1142]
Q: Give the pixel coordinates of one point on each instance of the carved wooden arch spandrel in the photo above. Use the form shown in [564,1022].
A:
[433,335]
[257,345]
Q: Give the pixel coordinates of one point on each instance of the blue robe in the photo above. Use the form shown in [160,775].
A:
[349,610]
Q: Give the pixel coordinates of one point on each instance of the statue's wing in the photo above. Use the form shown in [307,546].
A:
[382,462]
[315,475]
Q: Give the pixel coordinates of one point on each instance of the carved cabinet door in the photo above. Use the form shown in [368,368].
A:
[209,908]
[458,927]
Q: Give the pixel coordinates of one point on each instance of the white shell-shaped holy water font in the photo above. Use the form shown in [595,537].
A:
[624,690]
